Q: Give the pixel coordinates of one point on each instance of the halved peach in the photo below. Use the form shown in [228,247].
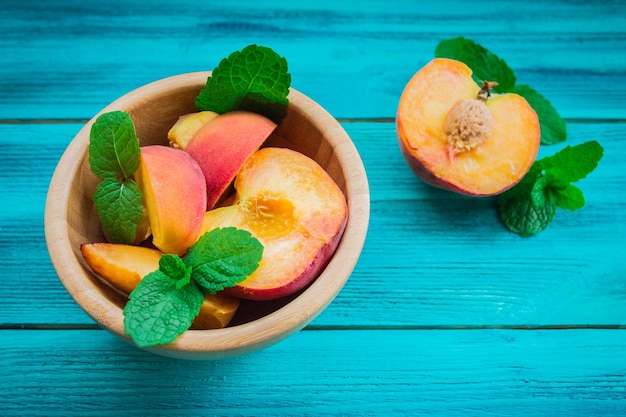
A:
[223,144]
[186,126]
[458,136]
[295,209]
[174,194]
[124,266]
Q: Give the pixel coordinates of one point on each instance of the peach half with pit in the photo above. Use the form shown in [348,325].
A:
[174,195]
[222,145]
[457,135]
[124,266]
[295,209]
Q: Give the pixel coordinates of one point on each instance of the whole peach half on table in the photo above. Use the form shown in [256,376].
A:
[124,266]
[458,136]
[174,195]
[295,209]
[222,145]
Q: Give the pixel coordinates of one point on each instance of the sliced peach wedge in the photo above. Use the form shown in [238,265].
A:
[295,209]
[222,145]
[124,266]
[458,136]
[174,195]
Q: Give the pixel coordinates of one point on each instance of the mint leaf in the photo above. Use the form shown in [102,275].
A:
[520,215]
[553,127]
[486,65]
[223,257]
[528,207]
[253,79]
[573,163]
[158,311]
[113,146]
[569,198]
[174,267]
[119,207]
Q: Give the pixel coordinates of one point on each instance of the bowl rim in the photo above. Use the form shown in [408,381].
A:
[241,338]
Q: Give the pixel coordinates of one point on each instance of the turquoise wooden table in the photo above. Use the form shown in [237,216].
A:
[446,312]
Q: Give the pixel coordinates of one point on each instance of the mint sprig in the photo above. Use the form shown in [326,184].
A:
[114,157]
[165,302]
[254,79]
[222,258]
[530,206]
[488,66]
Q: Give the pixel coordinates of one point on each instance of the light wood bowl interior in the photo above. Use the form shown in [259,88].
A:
[71,219]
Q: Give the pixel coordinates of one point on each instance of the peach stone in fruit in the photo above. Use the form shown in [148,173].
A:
[457,136]
[174,194]
[295,209]
[223,144]
[124,266]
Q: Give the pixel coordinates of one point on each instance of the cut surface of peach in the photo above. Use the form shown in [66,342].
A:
[223,144]
[295,209]
[173,189]
[124,266]
[509,138]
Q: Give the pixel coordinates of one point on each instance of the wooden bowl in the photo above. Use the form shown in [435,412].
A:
[71,219]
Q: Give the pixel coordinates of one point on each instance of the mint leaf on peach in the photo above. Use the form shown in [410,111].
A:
[158,311]
[114,157]
[119,207]
[223,257]
[113,146]
[254,79]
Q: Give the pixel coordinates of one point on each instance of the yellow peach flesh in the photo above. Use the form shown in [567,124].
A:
[124,266]
[187,126]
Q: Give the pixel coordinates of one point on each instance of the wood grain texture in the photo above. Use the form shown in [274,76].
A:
[451,373]
[68,59]
[431,258]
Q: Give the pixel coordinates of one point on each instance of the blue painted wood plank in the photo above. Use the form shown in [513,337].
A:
[431,258]
[441,373]
[68,59]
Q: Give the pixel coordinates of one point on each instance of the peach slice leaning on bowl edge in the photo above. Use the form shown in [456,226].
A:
[457,136]
[295,209]
[124,266]
[222,145]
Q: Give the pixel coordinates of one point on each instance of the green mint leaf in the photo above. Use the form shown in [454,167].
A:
[174,267]
[520,215]
[572,163]
[158,311]
[485,65]
[538,193]
[223,257]
[569,197]
[113,146]
[553,127]
[253,79]
[119,207]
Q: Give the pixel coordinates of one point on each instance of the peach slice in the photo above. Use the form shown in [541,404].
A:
[186,126]
[457,136]
[295,209]
[223,144]
[174,194]
[124,266]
